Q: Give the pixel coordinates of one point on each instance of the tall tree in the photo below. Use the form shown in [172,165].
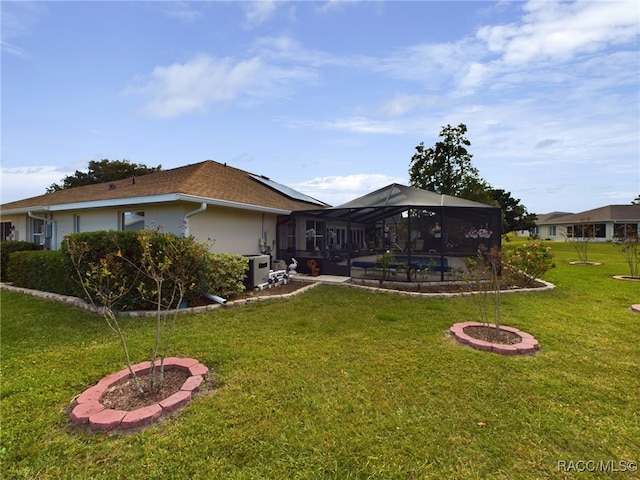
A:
[104,170]
[515,216]
[446,167]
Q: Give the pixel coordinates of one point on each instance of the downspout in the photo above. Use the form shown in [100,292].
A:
[185,220]
[45,221]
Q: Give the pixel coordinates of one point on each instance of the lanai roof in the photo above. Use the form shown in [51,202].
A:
[392,199]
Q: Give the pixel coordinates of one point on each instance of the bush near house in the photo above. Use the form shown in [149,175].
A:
[40,270]
[220,274]
[529,261]
[29,266]
[101,245]
[7,248]
[227,273]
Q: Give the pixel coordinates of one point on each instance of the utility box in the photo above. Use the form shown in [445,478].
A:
[258,270]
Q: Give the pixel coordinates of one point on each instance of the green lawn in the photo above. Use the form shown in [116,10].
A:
[344,383]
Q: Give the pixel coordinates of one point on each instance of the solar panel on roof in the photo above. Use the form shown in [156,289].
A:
[289,192]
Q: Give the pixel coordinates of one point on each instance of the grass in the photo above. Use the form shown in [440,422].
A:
[342,383]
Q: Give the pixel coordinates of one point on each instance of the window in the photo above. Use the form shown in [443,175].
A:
[624,230]
[37,230]
[552,231]
[587,230]
[7,232]
[131,221]
[76,224]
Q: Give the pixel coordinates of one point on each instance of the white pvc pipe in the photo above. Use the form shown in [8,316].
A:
[216,298]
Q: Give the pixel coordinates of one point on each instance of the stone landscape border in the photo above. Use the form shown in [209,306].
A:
[527,344]
[89,411]
[80,303]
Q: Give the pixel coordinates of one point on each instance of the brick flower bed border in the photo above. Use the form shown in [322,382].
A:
[527,344]
[88,410]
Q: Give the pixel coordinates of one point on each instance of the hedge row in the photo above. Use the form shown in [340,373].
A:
[54,271]
[42,270]
[7,248]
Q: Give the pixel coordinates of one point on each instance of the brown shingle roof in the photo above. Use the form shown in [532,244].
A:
[206,180]
[619,213]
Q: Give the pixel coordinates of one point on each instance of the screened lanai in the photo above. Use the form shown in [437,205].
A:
[422,233]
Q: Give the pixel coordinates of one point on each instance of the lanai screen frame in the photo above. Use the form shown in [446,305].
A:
[413,214]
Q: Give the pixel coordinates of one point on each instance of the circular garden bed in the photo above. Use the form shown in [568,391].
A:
[113,403]
[506,341]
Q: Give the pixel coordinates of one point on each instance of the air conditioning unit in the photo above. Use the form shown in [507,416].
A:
[258,270]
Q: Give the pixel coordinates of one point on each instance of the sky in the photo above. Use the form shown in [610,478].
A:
[330,98]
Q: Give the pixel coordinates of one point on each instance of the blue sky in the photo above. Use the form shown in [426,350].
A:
[331,97]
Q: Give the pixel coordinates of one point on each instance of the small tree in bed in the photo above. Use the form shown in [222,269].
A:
[628,243]
[163,271]
[485,279]
[580,236]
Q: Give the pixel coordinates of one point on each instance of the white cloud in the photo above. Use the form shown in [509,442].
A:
[403,103]
[26,182]
[284,48]
[259,12]
[200,83]
[337,190]
[183,11]
[18,20]
[553,30]
[353,124]
[331,5]
[432,65]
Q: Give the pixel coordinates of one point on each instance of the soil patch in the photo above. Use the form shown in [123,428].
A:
[439,287]
[277,290]
[491,335]
[450,287]
[627,277]
[265,292]
[124,396]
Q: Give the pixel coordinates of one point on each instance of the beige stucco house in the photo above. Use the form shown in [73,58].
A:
[235,209]
[603,224]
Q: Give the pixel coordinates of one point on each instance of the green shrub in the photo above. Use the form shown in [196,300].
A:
[40,270]
[105,244]
[226,274]
[134,265]
[530,261]
[7,248]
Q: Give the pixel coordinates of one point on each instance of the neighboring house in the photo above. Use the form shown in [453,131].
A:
[235,209]
[603,224]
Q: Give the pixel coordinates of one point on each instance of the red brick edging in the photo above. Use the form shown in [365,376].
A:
[528,343]
[89,411]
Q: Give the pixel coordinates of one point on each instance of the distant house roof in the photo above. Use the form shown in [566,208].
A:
[617,213]
[549,217]
[208,181]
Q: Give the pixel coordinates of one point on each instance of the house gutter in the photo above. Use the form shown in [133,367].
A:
[185,219]
[45,221]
